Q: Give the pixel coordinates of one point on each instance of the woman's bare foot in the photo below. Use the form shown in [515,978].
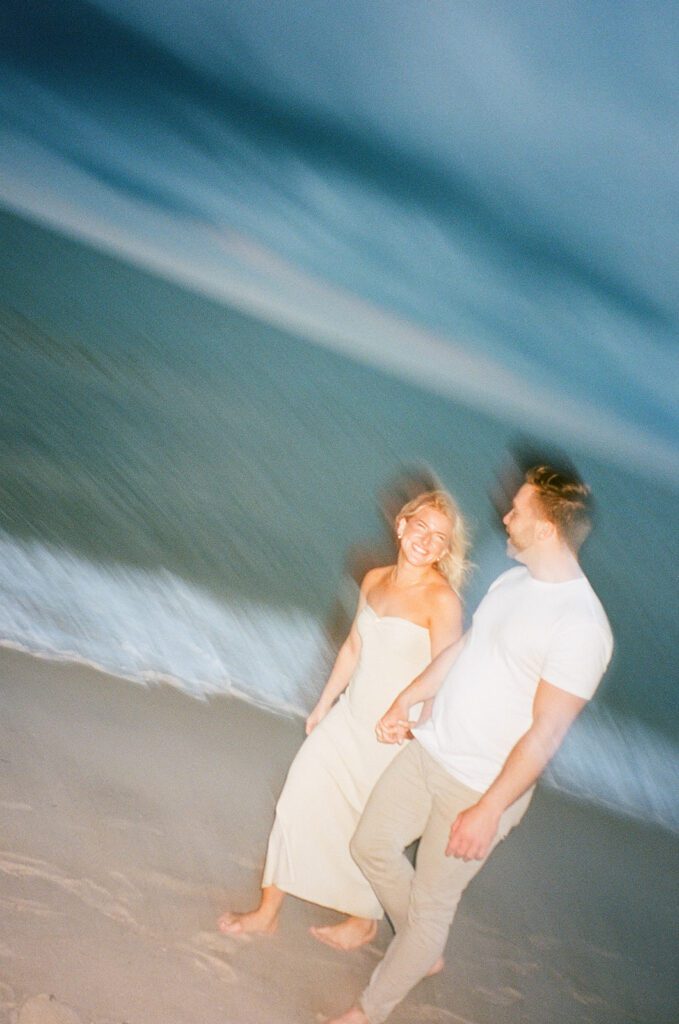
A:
[262,921]
[348,935]
[252,923]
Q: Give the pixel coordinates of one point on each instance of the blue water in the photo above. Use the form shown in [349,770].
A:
[255,258]
[499,175]
[180,486]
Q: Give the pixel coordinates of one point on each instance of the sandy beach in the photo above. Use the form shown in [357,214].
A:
[268,270]
[131,817]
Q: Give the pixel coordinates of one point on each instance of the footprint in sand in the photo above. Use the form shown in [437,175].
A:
[45,1009]
[84,889]
[215,965]
[215,942]
[178,886]
[587,998]
[212,963]
[503,996]
[27,906]
[428,1014]
[123,880]
[209,951]
[522,968]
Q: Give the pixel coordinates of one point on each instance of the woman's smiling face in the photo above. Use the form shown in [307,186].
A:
[425,536]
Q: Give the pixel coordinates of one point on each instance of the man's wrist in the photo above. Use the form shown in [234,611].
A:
[493,804]
[403,705]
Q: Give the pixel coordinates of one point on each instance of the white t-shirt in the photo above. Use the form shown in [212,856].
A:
[524,630]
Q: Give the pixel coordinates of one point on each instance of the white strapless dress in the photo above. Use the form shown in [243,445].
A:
[333,774]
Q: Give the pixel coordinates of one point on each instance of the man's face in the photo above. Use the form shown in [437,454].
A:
[522,522]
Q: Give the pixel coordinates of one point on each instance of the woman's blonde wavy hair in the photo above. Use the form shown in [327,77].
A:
[453,565]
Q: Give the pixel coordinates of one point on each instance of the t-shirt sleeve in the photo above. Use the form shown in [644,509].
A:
[577,657]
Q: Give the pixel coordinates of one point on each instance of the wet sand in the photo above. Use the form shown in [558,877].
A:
[131,817]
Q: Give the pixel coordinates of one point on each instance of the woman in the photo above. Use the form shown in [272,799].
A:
[407,613]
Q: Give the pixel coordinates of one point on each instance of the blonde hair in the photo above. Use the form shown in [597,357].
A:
[453,564]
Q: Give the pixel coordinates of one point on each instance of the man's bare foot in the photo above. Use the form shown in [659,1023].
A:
[353,1016]
[436,968]
[348,935]
[252,923]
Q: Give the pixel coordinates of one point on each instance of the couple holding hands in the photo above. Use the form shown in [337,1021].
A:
[424,733]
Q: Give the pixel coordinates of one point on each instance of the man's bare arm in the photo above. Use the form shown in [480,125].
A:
[554,711]
[394,724]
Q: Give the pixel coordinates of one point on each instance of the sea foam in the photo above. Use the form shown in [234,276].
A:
[154,626]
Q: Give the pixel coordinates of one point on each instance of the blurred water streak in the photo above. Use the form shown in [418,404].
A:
[180,483]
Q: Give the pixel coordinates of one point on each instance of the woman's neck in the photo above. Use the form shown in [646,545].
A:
[403,574]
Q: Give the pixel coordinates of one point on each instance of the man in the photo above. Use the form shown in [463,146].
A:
[506,694]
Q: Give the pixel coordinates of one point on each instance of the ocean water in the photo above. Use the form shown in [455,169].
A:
[180,485]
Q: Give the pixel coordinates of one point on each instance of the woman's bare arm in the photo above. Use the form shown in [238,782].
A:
[345,662]
[445,628]
[394,724]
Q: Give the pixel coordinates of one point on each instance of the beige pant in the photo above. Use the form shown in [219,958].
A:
[415,797]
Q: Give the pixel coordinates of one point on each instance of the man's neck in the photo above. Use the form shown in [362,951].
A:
[552,564]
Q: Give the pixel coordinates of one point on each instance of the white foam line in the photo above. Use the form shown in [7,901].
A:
[592,768]
[152,627]
[151,678]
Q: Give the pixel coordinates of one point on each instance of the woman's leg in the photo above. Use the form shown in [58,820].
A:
[262,921]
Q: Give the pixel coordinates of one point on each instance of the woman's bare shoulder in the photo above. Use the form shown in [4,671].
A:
[443,598]
[445,614]
[375,576]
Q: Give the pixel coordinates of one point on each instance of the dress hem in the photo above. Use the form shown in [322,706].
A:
[290,891]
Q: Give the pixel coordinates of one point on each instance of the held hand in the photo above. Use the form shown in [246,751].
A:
[394,726]
[472,833]
[316,716]
[396,733]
